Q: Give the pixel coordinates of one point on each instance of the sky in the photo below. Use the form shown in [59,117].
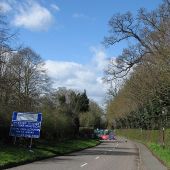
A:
[68,35]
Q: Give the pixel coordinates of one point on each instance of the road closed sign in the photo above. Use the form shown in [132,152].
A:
[26,124]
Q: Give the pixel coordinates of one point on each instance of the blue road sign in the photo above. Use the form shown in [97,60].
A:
[26,124]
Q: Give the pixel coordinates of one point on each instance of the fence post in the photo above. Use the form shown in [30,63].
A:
[163,137]
[141,133]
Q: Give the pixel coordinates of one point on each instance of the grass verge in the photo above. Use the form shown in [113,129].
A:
[162,154]
[12,156]
[152,139]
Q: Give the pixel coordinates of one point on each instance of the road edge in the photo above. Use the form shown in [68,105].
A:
[11,165]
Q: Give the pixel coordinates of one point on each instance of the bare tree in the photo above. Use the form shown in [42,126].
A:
[149,32]
[30,77]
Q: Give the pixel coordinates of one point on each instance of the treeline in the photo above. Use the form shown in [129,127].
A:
[25,87]
[65,111]
[142,71]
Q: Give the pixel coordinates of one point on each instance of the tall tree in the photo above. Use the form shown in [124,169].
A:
[31,80]
[143,66]
[149,32]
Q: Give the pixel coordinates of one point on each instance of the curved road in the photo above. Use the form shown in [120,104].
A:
[109,155]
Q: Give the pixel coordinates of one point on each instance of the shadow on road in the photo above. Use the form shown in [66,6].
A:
[55,160]
[104,152]
[104,149]
[117,148]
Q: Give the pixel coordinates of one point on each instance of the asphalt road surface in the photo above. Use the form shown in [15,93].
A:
[109,155]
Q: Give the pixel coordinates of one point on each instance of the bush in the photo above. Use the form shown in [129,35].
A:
[86,132]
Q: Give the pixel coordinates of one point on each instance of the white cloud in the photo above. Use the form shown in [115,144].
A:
[99,58]
[4,7]
[78,76]
[55,7]
[33,16]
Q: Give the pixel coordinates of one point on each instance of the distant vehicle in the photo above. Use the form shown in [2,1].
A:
[104,134]
[111,136]
[104,137]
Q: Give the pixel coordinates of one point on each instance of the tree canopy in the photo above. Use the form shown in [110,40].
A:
[143,99]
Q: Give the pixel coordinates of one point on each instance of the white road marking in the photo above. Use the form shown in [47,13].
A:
[116,145]
[110,150]
[97,157]
[83,164]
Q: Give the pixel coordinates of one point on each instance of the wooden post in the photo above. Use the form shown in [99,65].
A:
[163,137]
[141,133]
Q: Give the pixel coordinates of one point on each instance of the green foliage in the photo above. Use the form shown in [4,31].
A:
[25,87]
[84,102]
[163,154]
[142,70]
[92,118]
[86,132]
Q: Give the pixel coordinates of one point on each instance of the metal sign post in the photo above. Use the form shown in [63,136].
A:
[15,139]
[30,146]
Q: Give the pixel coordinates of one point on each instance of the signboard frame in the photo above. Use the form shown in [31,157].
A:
[26,124]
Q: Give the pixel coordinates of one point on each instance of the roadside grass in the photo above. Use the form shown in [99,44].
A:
[14,155]
[163,154]
[153,140]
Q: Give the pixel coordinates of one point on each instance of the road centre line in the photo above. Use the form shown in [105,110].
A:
[83,164]
[115,145]
[97,157]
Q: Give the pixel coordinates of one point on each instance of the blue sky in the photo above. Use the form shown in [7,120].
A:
[68,35]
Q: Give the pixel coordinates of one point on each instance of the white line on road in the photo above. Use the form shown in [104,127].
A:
[83,164]
[116,145]
[110,150]
[97,157]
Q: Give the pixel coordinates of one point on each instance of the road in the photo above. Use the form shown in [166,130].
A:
[109,155]
[118,155]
